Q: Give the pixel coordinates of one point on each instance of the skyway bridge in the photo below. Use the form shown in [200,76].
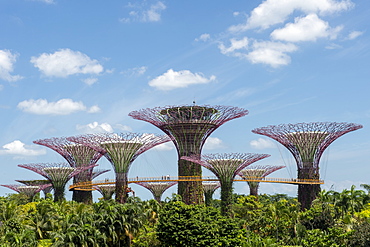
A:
[89,186]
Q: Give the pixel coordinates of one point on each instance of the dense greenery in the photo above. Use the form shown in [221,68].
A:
[335,219]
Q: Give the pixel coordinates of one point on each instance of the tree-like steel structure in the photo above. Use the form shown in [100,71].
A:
[257,172]
[106,190]
[41,182]
[208,189]
[189,127]
[226,167]
[120,150]
[76,155]
[307,142]
[28,190]
[57,173]
[157,188]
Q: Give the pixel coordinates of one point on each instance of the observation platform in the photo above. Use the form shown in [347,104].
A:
[89,186]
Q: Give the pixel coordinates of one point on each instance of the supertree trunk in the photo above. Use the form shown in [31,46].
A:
[121,187]
[253,188]
[308,192]
[226,198]
[190,191]
[208,197]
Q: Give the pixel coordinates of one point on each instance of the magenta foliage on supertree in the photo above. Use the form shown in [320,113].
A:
[307,141]
[38,183]
[107,190]
[29,190]
[157,188]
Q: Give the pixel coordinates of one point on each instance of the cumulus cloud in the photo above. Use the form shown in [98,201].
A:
[235,45]
[90,81]
[66,62]
[262,143]
[94,109]
[18,148]
[204,37]
[60,107]
[213,143]
[143,13]
[271,12]
[95,127]
[7,60]
[354,35]
[179,79]
[308,28]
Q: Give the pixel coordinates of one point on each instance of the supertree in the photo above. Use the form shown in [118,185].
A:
[57,173]
[120,150]
[28,190]
[106,190]
[226,167]
[157,188]
[76,155]
[307,142]
[209,188]
[41,182]
[257,172]
[189,127]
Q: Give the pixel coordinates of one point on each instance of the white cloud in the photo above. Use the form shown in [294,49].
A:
[18,148]
[94,109]
[178,79]
[66,62]
[333,46]
[95,127]
[60,107]
[123,127]
[234,46]
[354,35]
[262,143]
[7,60]
[213,143]
[90,81]
[204,37]
[135,71]
[167,146]
[45,1]
[143,13]
[271,12]
[308,28]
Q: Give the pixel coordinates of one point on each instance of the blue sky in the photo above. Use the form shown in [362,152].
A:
[69,68]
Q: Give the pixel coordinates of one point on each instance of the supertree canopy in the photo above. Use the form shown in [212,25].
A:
[107,190]
[46,190]
[120,150]
[189,127]
[257,172]
[57,173]
[157,188]
[226,167]
[209,188]
[76,155]
[28,190]
[307,142]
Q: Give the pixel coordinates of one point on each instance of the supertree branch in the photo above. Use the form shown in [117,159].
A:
[226,166]
[28,190]
[120,150]
[157,188]
[258,171]
[57,173]
[189,126]
[106,190]
[46,190]
[307,142]
[209,188]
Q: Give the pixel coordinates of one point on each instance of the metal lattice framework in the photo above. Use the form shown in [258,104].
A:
[28,190]
[76,155]
[38,183]
[106,190]
[57,173]
[259,171]
[209,188]
[307,142]
[120,150]
[157,188]
[189,127]
[226,166]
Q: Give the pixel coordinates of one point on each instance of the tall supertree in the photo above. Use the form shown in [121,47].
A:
[257,172]
[57,173]
[106,190]
[307,142]
[209,188]
[157,188]
[28,190]
[189,127]
[120,150]
[76,155]
[226,167]
[41,182]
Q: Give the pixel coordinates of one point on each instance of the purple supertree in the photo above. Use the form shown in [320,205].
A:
[189,127]
[46,190]
[107,190]
[28,190]
[307,142]
[157,188]
[120,150]
[257,172]
[76,155]
[226,167]
[57,173]
[209,188]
